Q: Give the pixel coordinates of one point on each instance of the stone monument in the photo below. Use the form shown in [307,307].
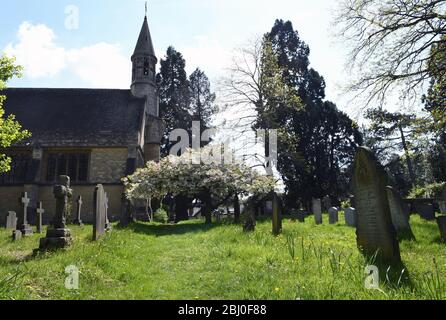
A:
[78,219]
[11,220]
[99,218]
[375,232]
[22,220]
[400,214]
[333,215]
[59,236]
[39,215]
[351,218]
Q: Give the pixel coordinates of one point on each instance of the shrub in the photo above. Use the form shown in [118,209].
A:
[429,191]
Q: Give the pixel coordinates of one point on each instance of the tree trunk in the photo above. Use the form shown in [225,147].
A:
[236,209]
[408,158]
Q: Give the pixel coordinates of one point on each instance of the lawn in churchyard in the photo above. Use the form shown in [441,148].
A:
[192,260]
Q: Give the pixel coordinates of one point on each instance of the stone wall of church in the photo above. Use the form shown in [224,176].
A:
[108,165]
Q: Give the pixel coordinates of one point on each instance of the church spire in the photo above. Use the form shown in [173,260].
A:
[144,44]
[144,63]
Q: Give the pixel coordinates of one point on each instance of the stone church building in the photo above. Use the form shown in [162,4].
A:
[95,136]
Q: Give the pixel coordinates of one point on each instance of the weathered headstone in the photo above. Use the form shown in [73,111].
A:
[107,221]
[78,219]
[16,235]
[425,210]
[333,215]
[277,216]
[326,203]
[127,216]
[375,232]
[441,221]
[301,215]
[11,220]
[317,211]
[22,220]
[351,218]
[400,214]
[39,215]
[59,236]
[99,218]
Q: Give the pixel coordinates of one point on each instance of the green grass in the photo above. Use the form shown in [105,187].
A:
[195,261]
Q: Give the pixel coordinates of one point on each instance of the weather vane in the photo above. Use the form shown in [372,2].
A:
[146,8]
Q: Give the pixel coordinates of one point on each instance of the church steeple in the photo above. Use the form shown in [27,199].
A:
[143,63]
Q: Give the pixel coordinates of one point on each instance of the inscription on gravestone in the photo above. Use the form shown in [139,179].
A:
[375,231]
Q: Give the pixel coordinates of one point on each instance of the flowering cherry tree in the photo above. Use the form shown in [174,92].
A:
[214,184]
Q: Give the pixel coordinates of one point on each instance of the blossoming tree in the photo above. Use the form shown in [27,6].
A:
[212,183]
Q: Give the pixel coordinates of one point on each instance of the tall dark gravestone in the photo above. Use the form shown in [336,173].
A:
[317,211]
[375,231]
[400,214]
[277,216]
[59,236]
[99,218]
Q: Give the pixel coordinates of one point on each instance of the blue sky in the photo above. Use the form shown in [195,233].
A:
[97,54]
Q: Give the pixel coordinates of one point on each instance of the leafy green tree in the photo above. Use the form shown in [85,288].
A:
[10,130]
[321,140]
[173,87]
[396,128]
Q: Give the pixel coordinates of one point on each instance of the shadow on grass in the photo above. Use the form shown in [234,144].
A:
[169,229]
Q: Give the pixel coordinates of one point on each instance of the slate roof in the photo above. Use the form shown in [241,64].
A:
[77,117]
[144,44]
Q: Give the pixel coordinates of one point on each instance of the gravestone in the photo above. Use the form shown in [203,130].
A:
[441,221]
[78,219]
[11,220]
[351,217]
[22,220]
[301,215]
[400,214]
[59,236]
[16,235]
[375,232]
[425,210]
[333,215]
[250,224]
[127,215]
[277,216]
[107,221]
[39,215]
[326,203]
[317,211]
[268,207]
[99,218]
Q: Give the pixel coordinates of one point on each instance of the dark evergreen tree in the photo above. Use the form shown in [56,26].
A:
[202,100]
[173,87]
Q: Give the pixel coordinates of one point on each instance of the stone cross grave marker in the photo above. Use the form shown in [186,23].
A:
[333,215]
[40,211]
[351,217]
[11,220]
[375,232]
[99,218]
[59,236]
[400,214]
[277,216]
[78,220]
[317,211]
[22,221]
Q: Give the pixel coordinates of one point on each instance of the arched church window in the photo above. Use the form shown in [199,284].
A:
[146,66]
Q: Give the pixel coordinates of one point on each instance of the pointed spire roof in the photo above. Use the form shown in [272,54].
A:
[144,44]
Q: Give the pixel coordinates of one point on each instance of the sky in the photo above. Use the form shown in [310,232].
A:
[88,44]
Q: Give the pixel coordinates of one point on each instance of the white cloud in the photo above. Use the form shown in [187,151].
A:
[98,65]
